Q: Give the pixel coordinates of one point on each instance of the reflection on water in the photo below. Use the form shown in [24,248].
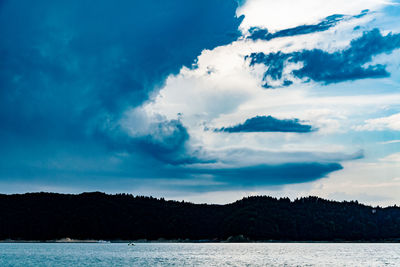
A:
[214,254]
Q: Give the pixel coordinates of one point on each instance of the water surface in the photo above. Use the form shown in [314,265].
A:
[210,254]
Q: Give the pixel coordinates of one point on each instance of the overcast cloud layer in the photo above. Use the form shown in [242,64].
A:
[203,100]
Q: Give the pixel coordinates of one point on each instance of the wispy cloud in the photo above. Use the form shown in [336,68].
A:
[257,33]
[325,67]
[389,142]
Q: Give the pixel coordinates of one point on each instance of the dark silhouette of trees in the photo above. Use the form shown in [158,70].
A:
[49,216]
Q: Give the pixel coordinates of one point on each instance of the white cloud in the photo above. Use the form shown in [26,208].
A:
[276,15]
[389,142]
[391,158]
[384,123]
[374,183]
[369,183]
[223,91]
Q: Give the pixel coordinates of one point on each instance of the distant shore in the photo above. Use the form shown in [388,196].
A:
[69,240]
[94,216]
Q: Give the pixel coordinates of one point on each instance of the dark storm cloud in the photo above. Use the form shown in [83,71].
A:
[249,177]
[168,144]
[72,64]
[327,68]
[273,174]
[70,69]
[268,124]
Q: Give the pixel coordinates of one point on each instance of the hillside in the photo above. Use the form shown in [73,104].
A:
[50,216]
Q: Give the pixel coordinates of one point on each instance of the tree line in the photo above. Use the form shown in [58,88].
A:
[100,216]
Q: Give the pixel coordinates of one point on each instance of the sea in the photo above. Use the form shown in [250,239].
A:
[199,254]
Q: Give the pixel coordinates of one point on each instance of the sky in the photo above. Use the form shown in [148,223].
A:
[207,101]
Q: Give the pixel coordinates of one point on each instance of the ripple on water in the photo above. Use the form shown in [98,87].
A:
[210,254]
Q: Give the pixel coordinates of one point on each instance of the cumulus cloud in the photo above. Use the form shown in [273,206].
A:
[156,136]
[268,124]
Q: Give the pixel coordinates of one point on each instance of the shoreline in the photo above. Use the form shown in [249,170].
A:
[77,241]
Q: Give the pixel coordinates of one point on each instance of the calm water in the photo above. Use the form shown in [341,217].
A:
[160,254]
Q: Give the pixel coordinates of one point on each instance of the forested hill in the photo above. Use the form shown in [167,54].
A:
[49,216]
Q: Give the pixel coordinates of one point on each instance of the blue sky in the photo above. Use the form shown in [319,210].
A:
[206,101]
